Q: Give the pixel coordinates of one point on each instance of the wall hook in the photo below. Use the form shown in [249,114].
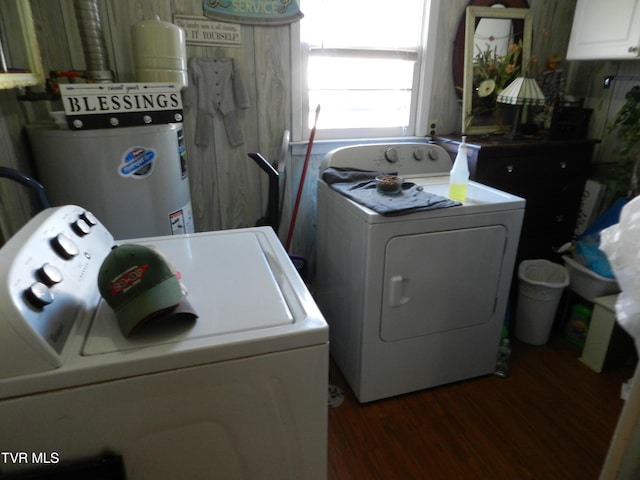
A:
[607,81]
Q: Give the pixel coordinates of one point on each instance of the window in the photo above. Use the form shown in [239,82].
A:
[362,62]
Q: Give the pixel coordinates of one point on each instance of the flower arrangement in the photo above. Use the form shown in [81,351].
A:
[492,73]
[496,70]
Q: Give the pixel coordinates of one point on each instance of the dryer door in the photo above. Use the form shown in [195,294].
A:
[441,281]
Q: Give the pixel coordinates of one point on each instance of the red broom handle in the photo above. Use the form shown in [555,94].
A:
[312,135]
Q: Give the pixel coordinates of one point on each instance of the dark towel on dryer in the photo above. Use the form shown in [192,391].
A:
[360,186]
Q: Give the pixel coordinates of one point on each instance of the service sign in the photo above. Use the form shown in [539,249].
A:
[253,12]
[109,105]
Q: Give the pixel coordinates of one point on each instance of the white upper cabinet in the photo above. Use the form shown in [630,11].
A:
[605,30]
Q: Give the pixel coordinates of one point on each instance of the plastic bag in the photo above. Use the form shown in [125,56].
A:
[620,243]
[587,247]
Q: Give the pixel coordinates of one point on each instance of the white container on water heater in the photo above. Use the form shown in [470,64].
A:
[159,52]
[134,179]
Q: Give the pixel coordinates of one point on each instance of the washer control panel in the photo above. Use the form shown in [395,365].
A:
[411,158]
[50,270]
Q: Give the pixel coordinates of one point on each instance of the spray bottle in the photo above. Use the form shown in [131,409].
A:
[459,176]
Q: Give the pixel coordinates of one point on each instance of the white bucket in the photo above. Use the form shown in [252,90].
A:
[540,288]
[159,52]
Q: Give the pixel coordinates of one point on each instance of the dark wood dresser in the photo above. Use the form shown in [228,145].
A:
[549,174]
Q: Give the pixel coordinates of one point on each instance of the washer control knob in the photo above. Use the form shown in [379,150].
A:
[418,154]
[81,227]
[391,155]
[39,295]
[89,217]
[64,246]
[49,274]
[433,154]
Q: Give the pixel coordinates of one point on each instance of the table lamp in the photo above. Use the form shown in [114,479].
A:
[522,91]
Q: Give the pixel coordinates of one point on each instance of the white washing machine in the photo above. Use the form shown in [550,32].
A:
[239,393]
[419,299]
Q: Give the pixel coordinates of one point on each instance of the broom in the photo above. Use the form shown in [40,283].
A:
[301,184]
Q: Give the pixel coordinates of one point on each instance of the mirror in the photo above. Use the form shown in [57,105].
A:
[20,61]
[458,43]
[497,50]
[494,33]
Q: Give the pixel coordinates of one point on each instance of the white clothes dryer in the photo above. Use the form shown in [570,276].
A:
[239,393]
[419,299]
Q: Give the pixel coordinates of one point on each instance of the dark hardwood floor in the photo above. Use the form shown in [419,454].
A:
[551,418]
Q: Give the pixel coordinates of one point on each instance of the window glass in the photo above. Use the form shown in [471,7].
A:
[362,23]
[362,64]
[360,92]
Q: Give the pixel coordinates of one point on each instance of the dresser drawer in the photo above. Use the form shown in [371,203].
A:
[549,174]
[548,193]
[557,223]
[514,172]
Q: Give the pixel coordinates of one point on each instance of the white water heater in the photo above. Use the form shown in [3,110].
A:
[134,179]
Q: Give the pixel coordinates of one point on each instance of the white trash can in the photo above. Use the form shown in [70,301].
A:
[540,288]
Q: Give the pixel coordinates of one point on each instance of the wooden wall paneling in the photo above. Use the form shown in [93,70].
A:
[551,27]
[60,47]
[273,86]
[244,177]
[56,28]
[221,191]
[273,95]
[586,79]
[16,201]
[208,194]
[72,33]
[286,195]
[227,191]
[118,18]
[445,105]
[205,193]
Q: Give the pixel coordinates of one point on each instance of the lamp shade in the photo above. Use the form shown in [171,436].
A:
[522,91]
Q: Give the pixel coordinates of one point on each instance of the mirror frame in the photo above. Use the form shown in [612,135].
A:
[473,16]
[35,75]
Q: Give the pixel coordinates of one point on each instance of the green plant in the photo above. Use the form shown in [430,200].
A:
[627,124]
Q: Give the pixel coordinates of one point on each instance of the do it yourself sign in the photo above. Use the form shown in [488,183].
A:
[203,31]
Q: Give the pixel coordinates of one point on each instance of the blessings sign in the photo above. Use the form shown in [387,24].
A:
[274,12]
